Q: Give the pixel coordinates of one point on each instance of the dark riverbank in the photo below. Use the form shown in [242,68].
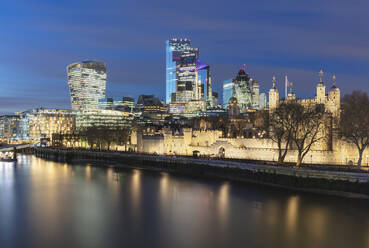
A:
[344,184]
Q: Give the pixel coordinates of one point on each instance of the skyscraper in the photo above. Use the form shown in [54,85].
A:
[87,84]
[228,87]
[243,90]
[203,89]
[180,70]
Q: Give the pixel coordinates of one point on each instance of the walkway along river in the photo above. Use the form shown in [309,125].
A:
[327,182]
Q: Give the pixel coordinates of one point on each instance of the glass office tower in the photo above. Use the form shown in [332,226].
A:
[203,83]
[180,58]
[228,87]
[87,84]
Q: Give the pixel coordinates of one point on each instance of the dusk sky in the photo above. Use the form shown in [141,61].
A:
[295,38]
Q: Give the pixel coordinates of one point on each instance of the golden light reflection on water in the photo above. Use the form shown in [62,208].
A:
[223,199]
[136,193]
[88,172]
[317,223]
[292,215]
[223,205]
[272,213]
[113,179]
[46,208]
[164,191]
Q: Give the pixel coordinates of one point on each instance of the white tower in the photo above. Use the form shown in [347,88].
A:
[334,99]
[273,97]
[320,90]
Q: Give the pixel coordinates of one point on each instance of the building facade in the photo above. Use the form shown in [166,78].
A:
[87,84]
[10,128]
[43,123]
[246,90]
[175,48]
[103,118]
[228,87]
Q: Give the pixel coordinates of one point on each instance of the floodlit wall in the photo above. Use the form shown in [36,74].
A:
[209,143]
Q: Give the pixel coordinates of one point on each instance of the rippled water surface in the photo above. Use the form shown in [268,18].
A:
[49,204]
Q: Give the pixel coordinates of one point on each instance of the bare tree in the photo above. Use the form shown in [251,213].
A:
[112,135]
[354,124]
[90,135]
[305,123]
[281,127]
[121,135]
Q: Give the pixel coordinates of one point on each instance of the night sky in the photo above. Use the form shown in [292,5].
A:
[295,38]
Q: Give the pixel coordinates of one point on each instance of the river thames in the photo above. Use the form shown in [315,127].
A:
[50,204]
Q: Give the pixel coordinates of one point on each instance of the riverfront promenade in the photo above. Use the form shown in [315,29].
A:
[323,181]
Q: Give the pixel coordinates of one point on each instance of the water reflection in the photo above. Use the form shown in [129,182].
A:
[88,172]
[48,204]
[292,215]
[164,188]
[223,204]
[135,189]
[7,199]
[317,224]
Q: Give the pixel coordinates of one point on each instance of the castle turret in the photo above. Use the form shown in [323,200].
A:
[320,90]
[334,99]
[291,96]
[273,96]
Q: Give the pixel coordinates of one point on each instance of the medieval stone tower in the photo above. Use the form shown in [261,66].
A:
[273,96]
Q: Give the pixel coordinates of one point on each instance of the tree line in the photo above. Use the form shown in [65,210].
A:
[101,137]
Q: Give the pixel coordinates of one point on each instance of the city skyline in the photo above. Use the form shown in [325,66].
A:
[42,39]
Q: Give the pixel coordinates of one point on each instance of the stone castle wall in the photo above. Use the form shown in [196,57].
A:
[209,143]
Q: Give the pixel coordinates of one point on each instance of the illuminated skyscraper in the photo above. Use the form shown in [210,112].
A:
[180,69]
[228,87]
[245,89]
[203,89]
[87,84]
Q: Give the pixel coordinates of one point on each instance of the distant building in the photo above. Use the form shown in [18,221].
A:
[187,78]
[43,123]
[150,110]
[215,100]
[243,90]
[150,103]
[36,124]
[178,55]
[233,109]
[103,118]
[87,84]
[9,128]
[129,102]
[203,88]
[228,87]
[188,88]
[263,101]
